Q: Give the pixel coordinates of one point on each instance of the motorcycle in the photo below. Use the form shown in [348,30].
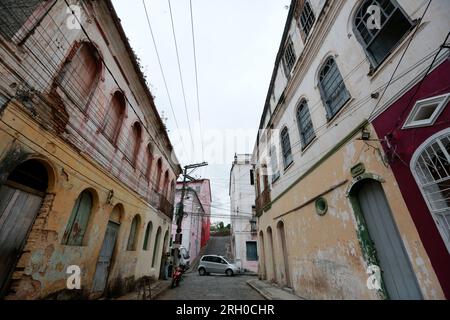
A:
[177,274]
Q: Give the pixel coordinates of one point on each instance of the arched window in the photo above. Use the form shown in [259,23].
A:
[134,230]
[305,126]
[379,40]
[136,137]
[80,74]
[307,19]
[148,172]
[155,249]
[332,88]
[158,174]
[286,147]
[114,117]
[148,235]
[431,168]
[78,222]
[165,189]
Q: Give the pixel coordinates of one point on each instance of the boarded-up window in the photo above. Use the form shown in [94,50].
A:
[158,174]
[166,184]
[148,173]
[78,222]
[114,117]
[132,238]
[252,251]
[155,249]
[136,136]
[80,74]
[148,235]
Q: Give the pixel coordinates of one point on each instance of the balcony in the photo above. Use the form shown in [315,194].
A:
[166,207]
[263,200]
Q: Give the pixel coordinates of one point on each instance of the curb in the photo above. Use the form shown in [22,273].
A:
[261,292]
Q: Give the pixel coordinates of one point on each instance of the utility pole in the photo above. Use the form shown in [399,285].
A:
[180,209]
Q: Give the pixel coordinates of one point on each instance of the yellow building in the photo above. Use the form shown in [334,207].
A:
[332,222]
[87,171]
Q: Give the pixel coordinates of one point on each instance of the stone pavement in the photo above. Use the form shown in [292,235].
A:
[270,292]
[157,288]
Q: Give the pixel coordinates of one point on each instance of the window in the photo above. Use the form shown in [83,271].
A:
[305,126]
[274,163]
[158,174]
[252,178]
[114,117]
[132,238]
[78,222]
[148,172]
[148,235]
[80,74]
[307,19]
[431,168]
[252,251]
[18,18]
[425,112]
[286,147]
[166,184]
[136,142]
[289,57]
[394,23]
[156,247]
[332,88]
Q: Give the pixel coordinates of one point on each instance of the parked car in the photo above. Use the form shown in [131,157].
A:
[216,264]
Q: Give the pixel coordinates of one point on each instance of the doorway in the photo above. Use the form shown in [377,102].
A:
[106,252]
[284,253]
[20,201]
[398,276]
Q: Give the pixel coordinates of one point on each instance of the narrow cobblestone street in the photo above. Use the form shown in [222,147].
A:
[213,287]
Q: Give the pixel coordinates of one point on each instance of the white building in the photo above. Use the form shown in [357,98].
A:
[242,205]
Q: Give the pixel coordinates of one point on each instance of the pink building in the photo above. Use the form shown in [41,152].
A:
[196,220]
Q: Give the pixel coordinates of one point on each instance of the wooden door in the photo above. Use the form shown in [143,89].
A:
[18,210]
[397,273]
[104,259]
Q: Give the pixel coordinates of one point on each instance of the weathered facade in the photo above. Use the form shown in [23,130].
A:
[87,171]
[193,220]
[330,210]
[242,207]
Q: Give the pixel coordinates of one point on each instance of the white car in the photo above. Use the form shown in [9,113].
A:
[216,264]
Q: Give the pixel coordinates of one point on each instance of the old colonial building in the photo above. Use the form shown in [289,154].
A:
[351,176]
[242,205]
[87,171]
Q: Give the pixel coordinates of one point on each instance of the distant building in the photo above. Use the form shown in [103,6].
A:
[242,213]
[196,220]
[192,223]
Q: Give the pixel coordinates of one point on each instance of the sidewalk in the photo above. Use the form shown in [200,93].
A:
[270,292]
[157,288]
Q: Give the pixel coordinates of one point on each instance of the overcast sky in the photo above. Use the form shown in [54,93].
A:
[236,45]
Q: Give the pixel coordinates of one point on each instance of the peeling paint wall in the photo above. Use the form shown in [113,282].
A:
[324,253]
[38,122]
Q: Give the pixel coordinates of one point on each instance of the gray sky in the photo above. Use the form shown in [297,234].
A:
[236,45]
